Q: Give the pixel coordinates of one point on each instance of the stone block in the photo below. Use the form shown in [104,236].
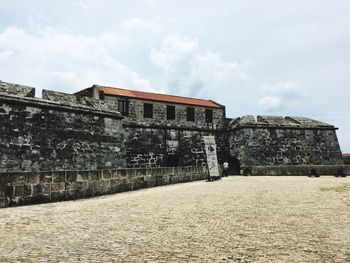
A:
[9,191]
[37,189]
[71,176]
[17,178]
[46,189]
[22,190]
[96,175]
[32,178]
[59,177]
[107,174]
[3,202]
[138,183]
[95,186]
[123,172]
[58,187]
[347,169]
[4,179]
[76,189]
[83,176]
[115,173]
[46,177]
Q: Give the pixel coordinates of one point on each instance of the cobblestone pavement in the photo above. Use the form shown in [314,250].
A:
[237,219]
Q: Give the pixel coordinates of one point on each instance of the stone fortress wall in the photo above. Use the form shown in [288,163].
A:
[66,132]
[78,132]
[71,132]
[44,135]
[271,140]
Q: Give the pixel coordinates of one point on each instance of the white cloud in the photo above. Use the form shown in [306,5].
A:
[213,73]
[283,95]
[151,2]
[175,52]
[48,58]
[82,4]
[141,25]
[286,89]
[193,71]
[270,104]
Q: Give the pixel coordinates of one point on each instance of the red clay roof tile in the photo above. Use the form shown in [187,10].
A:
[160,97]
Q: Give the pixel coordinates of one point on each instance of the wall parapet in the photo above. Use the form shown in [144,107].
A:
[17,89]
[278,122]
[21,188]
[41,103]
[297,170]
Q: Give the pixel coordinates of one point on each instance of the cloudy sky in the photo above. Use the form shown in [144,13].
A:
[269,57]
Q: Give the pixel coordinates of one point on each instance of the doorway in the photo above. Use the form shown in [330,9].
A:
[234,165]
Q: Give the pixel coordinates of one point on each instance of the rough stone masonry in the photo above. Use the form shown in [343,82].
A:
[104,140]
[90,130]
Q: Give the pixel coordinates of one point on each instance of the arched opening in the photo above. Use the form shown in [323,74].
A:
[234,165]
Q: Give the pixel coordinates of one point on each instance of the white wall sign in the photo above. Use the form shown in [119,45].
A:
[212,159]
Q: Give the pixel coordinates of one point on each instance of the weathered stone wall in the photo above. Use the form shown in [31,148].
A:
[61,132]
[37,135]
[145,147]
[346,159]
[59,97]
[292,143]
[16,89]
[154,147]
[37,187]
[64,131]
[285,146]
[192,148]
[160,114]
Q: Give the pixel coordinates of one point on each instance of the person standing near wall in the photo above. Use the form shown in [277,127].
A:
[225,167]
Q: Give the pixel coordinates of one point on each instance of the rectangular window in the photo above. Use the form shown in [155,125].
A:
[123,107]
[190,114]
[148,110]
[208,116]
[170,112]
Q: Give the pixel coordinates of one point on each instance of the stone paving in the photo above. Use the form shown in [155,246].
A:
[236,219]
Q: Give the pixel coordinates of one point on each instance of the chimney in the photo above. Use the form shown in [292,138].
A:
[96,92]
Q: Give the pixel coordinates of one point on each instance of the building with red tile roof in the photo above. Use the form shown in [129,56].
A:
[151,96]
[159,109]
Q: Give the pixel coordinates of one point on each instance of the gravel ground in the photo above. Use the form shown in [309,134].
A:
[236,219]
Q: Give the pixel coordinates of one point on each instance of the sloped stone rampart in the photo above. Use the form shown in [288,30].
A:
[285,146]
[16,89]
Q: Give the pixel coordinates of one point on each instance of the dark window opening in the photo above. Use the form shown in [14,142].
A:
[208,116]
[148,110]
[190,114]
[123,107]
[170,112]
[172,160]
